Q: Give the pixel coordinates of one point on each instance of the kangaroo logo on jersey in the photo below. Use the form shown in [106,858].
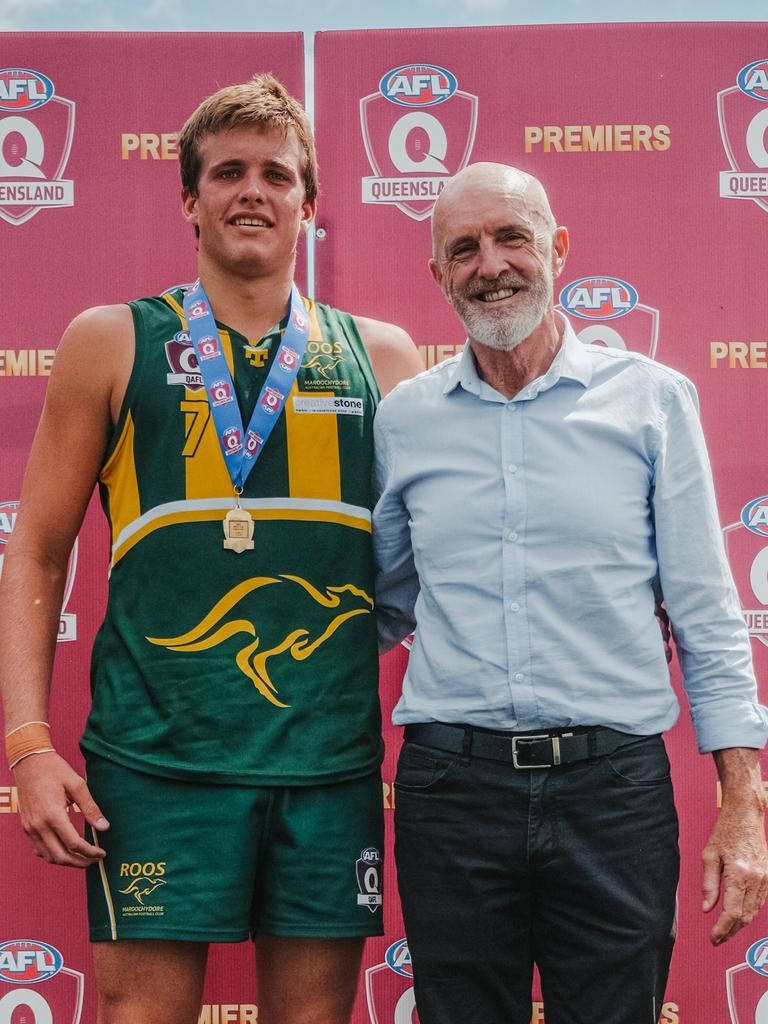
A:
[369,881]
[742,112]
[747,986]
[36,986]
[602,299]
[36,132]
[319,614]
[67,620]
[142,887]
[182,359]
[414,152]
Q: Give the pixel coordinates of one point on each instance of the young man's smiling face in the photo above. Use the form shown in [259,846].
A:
[250,205]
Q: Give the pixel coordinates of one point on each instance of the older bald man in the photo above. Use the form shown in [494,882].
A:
[536,500]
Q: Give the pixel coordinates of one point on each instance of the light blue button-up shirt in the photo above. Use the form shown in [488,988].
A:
[542,529]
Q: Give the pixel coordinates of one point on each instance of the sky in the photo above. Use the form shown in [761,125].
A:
[318,15]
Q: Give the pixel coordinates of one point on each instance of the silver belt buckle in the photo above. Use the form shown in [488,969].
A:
[554,740]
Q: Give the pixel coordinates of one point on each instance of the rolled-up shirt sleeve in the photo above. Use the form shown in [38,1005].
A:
[710,633]
[397,585]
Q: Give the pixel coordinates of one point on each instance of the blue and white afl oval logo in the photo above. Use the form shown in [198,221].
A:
[753,80]
[757,957]
[399,959]
[418,85]
[28,961]
[23,90]
[754,516]
[598,298]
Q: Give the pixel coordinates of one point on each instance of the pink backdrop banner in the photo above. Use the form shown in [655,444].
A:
[651,141]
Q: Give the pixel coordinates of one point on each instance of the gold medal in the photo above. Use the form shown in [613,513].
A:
[238,529]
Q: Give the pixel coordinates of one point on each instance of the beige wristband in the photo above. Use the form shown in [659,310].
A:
[30,738]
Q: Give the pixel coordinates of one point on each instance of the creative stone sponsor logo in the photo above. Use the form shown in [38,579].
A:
[414,152]
[67,620]
[597,138]
[182,359]
[149,146]
[746,543]
[633,325]
[36,133]
[738,355]
[36,985]
[26,362]
[320,404]
[747,986]
[742,111]
[142,880]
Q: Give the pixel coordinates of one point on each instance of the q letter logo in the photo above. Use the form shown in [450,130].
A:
[36,132]
[743,114]
[414,152]
[390,999]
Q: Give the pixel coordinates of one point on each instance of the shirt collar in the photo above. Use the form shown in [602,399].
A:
[572,362]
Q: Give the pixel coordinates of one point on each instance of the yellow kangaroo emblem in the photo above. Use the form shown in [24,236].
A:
[251,661]
[142,886]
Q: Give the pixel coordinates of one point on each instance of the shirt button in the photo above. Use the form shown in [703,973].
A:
[512,467]
[514,606]
[519,677]
[512,536]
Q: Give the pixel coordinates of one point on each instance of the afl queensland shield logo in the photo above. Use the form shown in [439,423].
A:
[418,130]
[36,986]
[607,311]
[747,986]
[389,988]
[742,112]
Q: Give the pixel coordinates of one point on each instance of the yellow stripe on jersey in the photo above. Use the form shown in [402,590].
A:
[264,509]
[314,463]
[118,474]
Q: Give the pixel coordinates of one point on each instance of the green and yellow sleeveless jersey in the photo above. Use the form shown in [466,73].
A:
[253,667]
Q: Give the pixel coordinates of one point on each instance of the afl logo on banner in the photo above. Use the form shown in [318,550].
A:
[36,132]
[33,978]
[742,111]
[747,986]
[414,152]
[600,299]
[746,544]
[391,1000]
[418,85]
[67,621]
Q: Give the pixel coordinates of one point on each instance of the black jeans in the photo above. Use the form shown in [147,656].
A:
[573,868]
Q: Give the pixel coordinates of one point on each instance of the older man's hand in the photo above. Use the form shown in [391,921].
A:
[736,856]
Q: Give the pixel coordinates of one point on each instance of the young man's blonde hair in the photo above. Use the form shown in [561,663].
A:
[262,103]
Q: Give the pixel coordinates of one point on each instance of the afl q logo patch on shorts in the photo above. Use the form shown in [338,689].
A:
[368,871]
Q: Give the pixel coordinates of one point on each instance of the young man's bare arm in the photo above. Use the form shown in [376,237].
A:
[393,355]
[86,387]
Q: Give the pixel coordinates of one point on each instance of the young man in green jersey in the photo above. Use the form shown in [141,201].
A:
[234,701]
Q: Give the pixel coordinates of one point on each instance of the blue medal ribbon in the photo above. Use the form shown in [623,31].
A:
[242,448]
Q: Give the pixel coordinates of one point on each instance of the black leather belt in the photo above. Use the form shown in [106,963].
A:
[522,750]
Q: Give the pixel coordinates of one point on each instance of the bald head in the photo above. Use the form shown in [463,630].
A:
[498,183]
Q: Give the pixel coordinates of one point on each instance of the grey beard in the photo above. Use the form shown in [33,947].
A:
[502,330]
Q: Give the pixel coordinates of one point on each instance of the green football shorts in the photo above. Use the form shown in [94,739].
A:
[217,863]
